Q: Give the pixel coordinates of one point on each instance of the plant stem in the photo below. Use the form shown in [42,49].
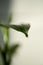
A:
[2,25]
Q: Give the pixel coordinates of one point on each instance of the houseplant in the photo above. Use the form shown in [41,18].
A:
[7,52]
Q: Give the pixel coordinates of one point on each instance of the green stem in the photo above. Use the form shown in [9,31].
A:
[6,31]
[2,25]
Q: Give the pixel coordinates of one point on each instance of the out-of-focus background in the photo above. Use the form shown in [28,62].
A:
[31,50]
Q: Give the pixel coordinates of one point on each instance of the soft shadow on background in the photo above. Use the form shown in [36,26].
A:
[4,10]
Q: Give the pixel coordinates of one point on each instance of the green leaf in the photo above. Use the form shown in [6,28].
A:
[13,49]
[22,28]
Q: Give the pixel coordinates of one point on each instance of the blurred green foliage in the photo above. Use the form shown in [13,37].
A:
[7,52]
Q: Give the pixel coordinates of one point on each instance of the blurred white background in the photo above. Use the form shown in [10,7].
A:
[31,50]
